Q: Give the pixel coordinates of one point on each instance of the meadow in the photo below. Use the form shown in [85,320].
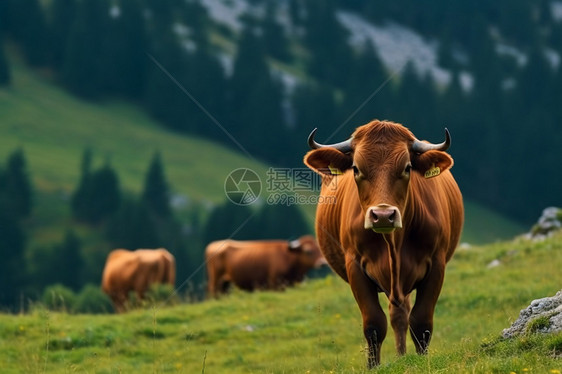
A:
[313,328]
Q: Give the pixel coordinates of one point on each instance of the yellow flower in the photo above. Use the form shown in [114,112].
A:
[22,328]
[554,371]
[525,370]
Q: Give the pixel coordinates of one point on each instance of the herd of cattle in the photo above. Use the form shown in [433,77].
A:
[394,222]
[250,265]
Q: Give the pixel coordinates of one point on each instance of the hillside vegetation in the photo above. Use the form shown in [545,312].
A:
[314,328]
[54,128]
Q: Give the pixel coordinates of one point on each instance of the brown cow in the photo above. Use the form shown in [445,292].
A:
[250,265]
[127,271]
[395,222]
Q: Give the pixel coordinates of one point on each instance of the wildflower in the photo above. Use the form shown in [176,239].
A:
[554,371]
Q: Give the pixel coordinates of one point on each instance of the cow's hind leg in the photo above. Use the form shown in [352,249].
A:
[374,319]
[421,317]
[399,311]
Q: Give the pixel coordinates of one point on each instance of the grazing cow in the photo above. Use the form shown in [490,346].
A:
[395,221]
[251,265]
[127,271]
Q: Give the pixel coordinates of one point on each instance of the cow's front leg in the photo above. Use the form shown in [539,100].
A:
[399,311]
[374,319]
[421,317]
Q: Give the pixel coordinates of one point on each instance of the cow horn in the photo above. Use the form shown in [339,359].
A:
[344,146]
[421,147]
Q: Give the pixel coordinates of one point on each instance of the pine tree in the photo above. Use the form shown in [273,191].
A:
[105,194]
[276,42]
[29,27]
[156,193]
[63,13]
[80,197]
[230,221]
[98,193]
[18,185]
[366,96]
[165,101]
[281,222]
[82,70]
[256,99]
[123,61]
[12,246]
[326,40]
[69,261]
[133,226]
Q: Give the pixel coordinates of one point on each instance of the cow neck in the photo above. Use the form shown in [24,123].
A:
[395,296]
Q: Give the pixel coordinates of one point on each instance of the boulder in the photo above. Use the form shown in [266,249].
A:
[542,316]
[549,221]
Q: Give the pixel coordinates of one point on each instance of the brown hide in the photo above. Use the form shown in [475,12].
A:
[395,223]
[251,265]
[127,271]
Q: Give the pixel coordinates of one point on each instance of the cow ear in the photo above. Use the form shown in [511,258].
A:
[328,161]
[295,246]
[432,163]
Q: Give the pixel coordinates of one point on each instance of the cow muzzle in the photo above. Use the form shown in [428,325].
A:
[383,218]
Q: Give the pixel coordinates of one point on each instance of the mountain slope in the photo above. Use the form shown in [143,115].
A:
[54,128]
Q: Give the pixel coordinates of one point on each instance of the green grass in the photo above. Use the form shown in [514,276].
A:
[313,328]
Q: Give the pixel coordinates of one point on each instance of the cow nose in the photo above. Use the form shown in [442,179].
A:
[383,218]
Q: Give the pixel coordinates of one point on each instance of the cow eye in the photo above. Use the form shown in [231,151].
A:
[355,170]
[408,169]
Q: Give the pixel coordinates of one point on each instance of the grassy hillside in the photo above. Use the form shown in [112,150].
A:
[54,128]
[314,328]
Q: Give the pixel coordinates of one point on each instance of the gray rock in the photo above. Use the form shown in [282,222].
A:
[549,221]
[541,316]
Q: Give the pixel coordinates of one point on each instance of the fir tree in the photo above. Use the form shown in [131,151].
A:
[80,198]
[18,185]
[281,222]
[156,193]
[105,194]
[63,13]
[256,99]
[29,27]
[123,62]
[326,40]
[69,261]
[276,42]
[133,226]
[82,70]
[12,246]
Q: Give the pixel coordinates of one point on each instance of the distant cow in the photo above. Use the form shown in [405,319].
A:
[251,265]
[394,221]
[127,271]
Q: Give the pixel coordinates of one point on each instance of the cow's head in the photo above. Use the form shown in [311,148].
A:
[308,252]
[382,157]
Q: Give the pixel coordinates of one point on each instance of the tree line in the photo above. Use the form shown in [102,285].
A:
[103,217]
[164,53]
